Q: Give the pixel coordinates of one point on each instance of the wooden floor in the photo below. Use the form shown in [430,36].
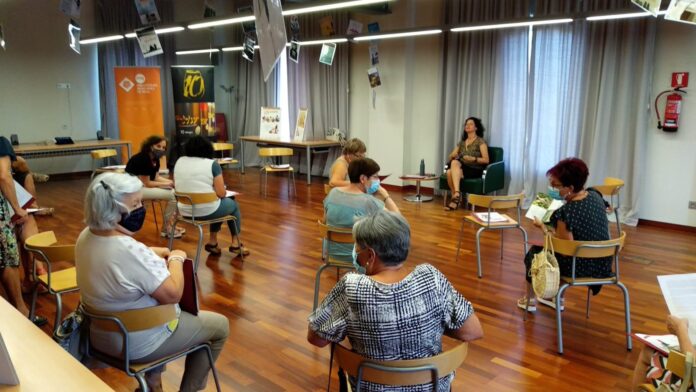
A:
[268,297]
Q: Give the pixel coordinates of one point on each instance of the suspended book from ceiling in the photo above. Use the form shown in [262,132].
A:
[682,11]
[328,50]
[149,42]
[74,36]
[294,53]
[147,11]
[652,6]
[70,8]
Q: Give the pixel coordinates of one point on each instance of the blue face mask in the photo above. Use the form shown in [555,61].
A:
[554,193]
[374,185]
[358,267]
[133,221]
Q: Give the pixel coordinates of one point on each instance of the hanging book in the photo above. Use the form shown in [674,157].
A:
[149,42]
[682,11]
[373,76]
[327,26]
[354,27]
[373,28]
[70,8]
[327,53]
[374,55]
[74,36]
[652,6]
[147,11]
[248,51]
[294,53]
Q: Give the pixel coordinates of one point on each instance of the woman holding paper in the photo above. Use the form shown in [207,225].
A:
[468,159]
[198,172]
[117,273]
[353,149]
[651,365]
[582,218]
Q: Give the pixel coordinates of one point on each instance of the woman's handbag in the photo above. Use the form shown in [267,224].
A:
[545,273]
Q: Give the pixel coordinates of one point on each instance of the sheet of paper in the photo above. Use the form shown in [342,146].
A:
[680,296]
[495,217]
[115,167]
[230,193]
[663,343]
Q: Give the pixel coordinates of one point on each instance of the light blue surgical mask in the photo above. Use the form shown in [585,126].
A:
[358,267]
[554,193]
[374,185]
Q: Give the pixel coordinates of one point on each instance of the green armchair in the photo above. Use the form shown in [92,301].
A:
[493,178]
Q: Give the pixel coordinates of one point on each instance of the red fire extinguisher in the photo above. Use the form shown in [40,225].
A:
[672,110]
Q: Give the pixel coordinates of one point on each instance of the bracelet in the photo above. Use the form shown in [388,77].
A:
[181,259]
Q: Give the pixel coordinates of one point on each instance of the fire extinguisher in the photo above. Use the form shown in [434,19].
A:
[672,110]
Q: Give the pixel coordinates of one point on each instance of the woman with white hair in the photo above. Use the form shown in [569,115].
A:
[117,273]
[390,312]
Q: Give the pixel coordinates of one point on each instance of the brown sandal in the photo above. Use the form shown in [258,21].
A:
[454,203]
[213,249]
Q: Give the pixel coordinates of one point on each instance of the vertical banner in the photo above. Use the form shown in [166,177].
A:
[139,100]
[194,102]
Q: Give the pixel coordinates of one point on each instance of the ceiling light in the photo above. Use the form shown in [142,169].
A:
[623,16]
[198,51]
[397,35]
[240,48]
[222,22]
[323,41]
[100,39]
[511,25]
[327,7]
[164,30]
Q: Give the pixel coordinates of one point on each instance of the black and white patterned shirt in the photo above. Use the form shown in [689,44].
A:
[404,320]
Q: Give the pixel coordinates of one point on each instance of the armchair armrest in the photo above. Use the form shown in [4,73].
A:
[494,177]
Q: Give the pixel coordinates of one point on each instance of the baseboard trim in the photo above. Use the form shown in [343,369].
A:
[665,225]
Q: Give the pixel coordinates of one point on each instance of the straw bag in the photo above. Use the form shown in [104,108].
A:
[545,273]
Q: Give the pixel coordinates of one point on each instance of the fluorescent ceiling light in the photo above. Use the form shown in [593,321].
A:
[623,16]
[222,22]
[240,48]
[327,7]
[198,51]
[511,25]
[160,31]
[101,39]
[397,35]
[323,41]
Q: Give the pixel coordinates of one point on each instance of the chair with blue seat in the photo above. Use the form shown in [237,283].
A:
[492,180]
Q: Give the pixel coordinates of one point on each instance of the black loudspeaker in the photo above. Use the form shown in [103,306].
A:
[100,136]
[14,140]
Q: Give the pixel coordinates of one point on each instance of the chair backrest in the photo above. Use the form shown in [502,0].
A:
[502,202]
[401,372]
[132,320]
[611,186]
[223,146]
[495,154]
[195,198]
[101,154]
[589,249]
[275,151]
[43,244]
[676,363]
[342,235]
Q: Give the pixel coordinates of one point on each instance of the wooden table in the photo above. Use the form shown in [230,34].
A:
[307,145]
[42,150]
[40,363]
[418,198]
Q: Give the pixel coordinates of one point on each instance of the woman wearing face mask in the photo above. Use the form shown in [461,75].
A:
[467,160]
[146,165]
[582,218]
[353,149]
[392,312]
[117,273]
[362,196]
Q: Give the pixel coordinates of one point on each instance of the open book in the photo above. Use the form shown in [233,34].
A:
[24,199]
[680,295]
[661,343]
[543,207]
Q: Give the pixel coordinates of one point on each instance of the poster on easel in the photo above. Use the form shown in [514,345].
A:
[300,125]
[270,123]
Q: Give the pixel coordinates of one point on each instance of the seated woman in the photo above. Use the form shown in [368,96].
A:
[394,304]
[353,149]
[582,218]
[198,172]
[468,159]
[117,273]
[651,365]
[362,196]
[146,165]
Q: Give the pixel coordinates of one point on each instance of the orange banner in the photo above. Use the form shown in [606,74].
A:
[139,98]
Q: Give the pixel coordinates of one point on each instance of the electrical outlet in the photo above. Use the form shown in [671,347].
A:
[692,205]
[63,85]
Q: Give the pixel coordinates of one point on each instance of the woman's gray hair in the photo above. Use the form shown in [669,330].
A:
[387,233]
[104,199]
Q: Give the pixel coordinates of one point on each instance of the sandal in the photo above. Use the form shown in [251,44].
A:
[454,203]
[213,249]
[239,250]
[39,321]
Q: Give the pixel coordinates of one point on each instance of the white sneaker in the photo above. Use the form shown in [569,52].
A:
[551,303]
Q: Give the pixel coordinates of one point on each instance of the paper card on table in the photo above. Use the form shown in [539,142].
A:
[543,207]
[679,292]
[494,217]
[300,125]
[270,123]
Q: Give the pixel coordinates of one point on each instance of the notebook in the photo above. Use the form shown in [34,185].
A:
[8,376]
[189,299]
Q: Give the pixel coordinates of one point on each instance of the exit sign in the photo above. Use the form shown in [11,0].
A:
[680,79]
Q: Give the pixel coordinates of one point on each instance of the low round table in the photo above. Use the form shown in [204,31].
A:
[418,198]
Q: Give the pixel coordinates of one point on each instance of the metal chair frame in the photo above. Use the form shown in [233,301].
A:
[331,234]
[275,152]
[612,188]
[101,154]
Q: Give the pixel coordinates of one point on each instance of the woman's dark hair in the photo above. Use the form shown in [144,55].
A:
[199,147]
[147,144]
[570,172]
[361,167]
[480,129]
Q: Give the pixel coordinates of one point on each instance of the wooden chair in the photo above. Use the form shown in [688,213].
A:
[401,372]
[98,158]
[493,203]
[268,154]
[199,198]
[676,363]
[327,189]
[610,189]
[225,154]
[329,235]
[130,321]
[43,247]
[589,250]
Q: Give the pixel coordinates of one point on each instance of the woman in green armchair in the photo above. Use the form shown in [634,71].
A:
[467,160]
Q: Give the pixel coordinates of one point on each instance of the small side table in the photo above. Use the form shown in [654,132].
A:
[418,198]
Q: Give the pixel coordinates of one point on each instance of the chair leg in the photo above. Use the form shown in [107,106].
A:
[154,214]
[627,314]
[530,293]
[212,367]
[239,240]
[459,244]
[618,223]
[265,185]
[587,307]
[478,251]
[141,381]
[171,235]
[260,184]
[34,295]
[524,236]
[317,281]
[502,237]
[198,248]
[59,313]
[559,321]
[294,185]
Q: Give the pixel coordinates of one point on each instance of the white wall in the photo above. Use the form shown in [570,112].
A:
[36,60]
[670,178]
